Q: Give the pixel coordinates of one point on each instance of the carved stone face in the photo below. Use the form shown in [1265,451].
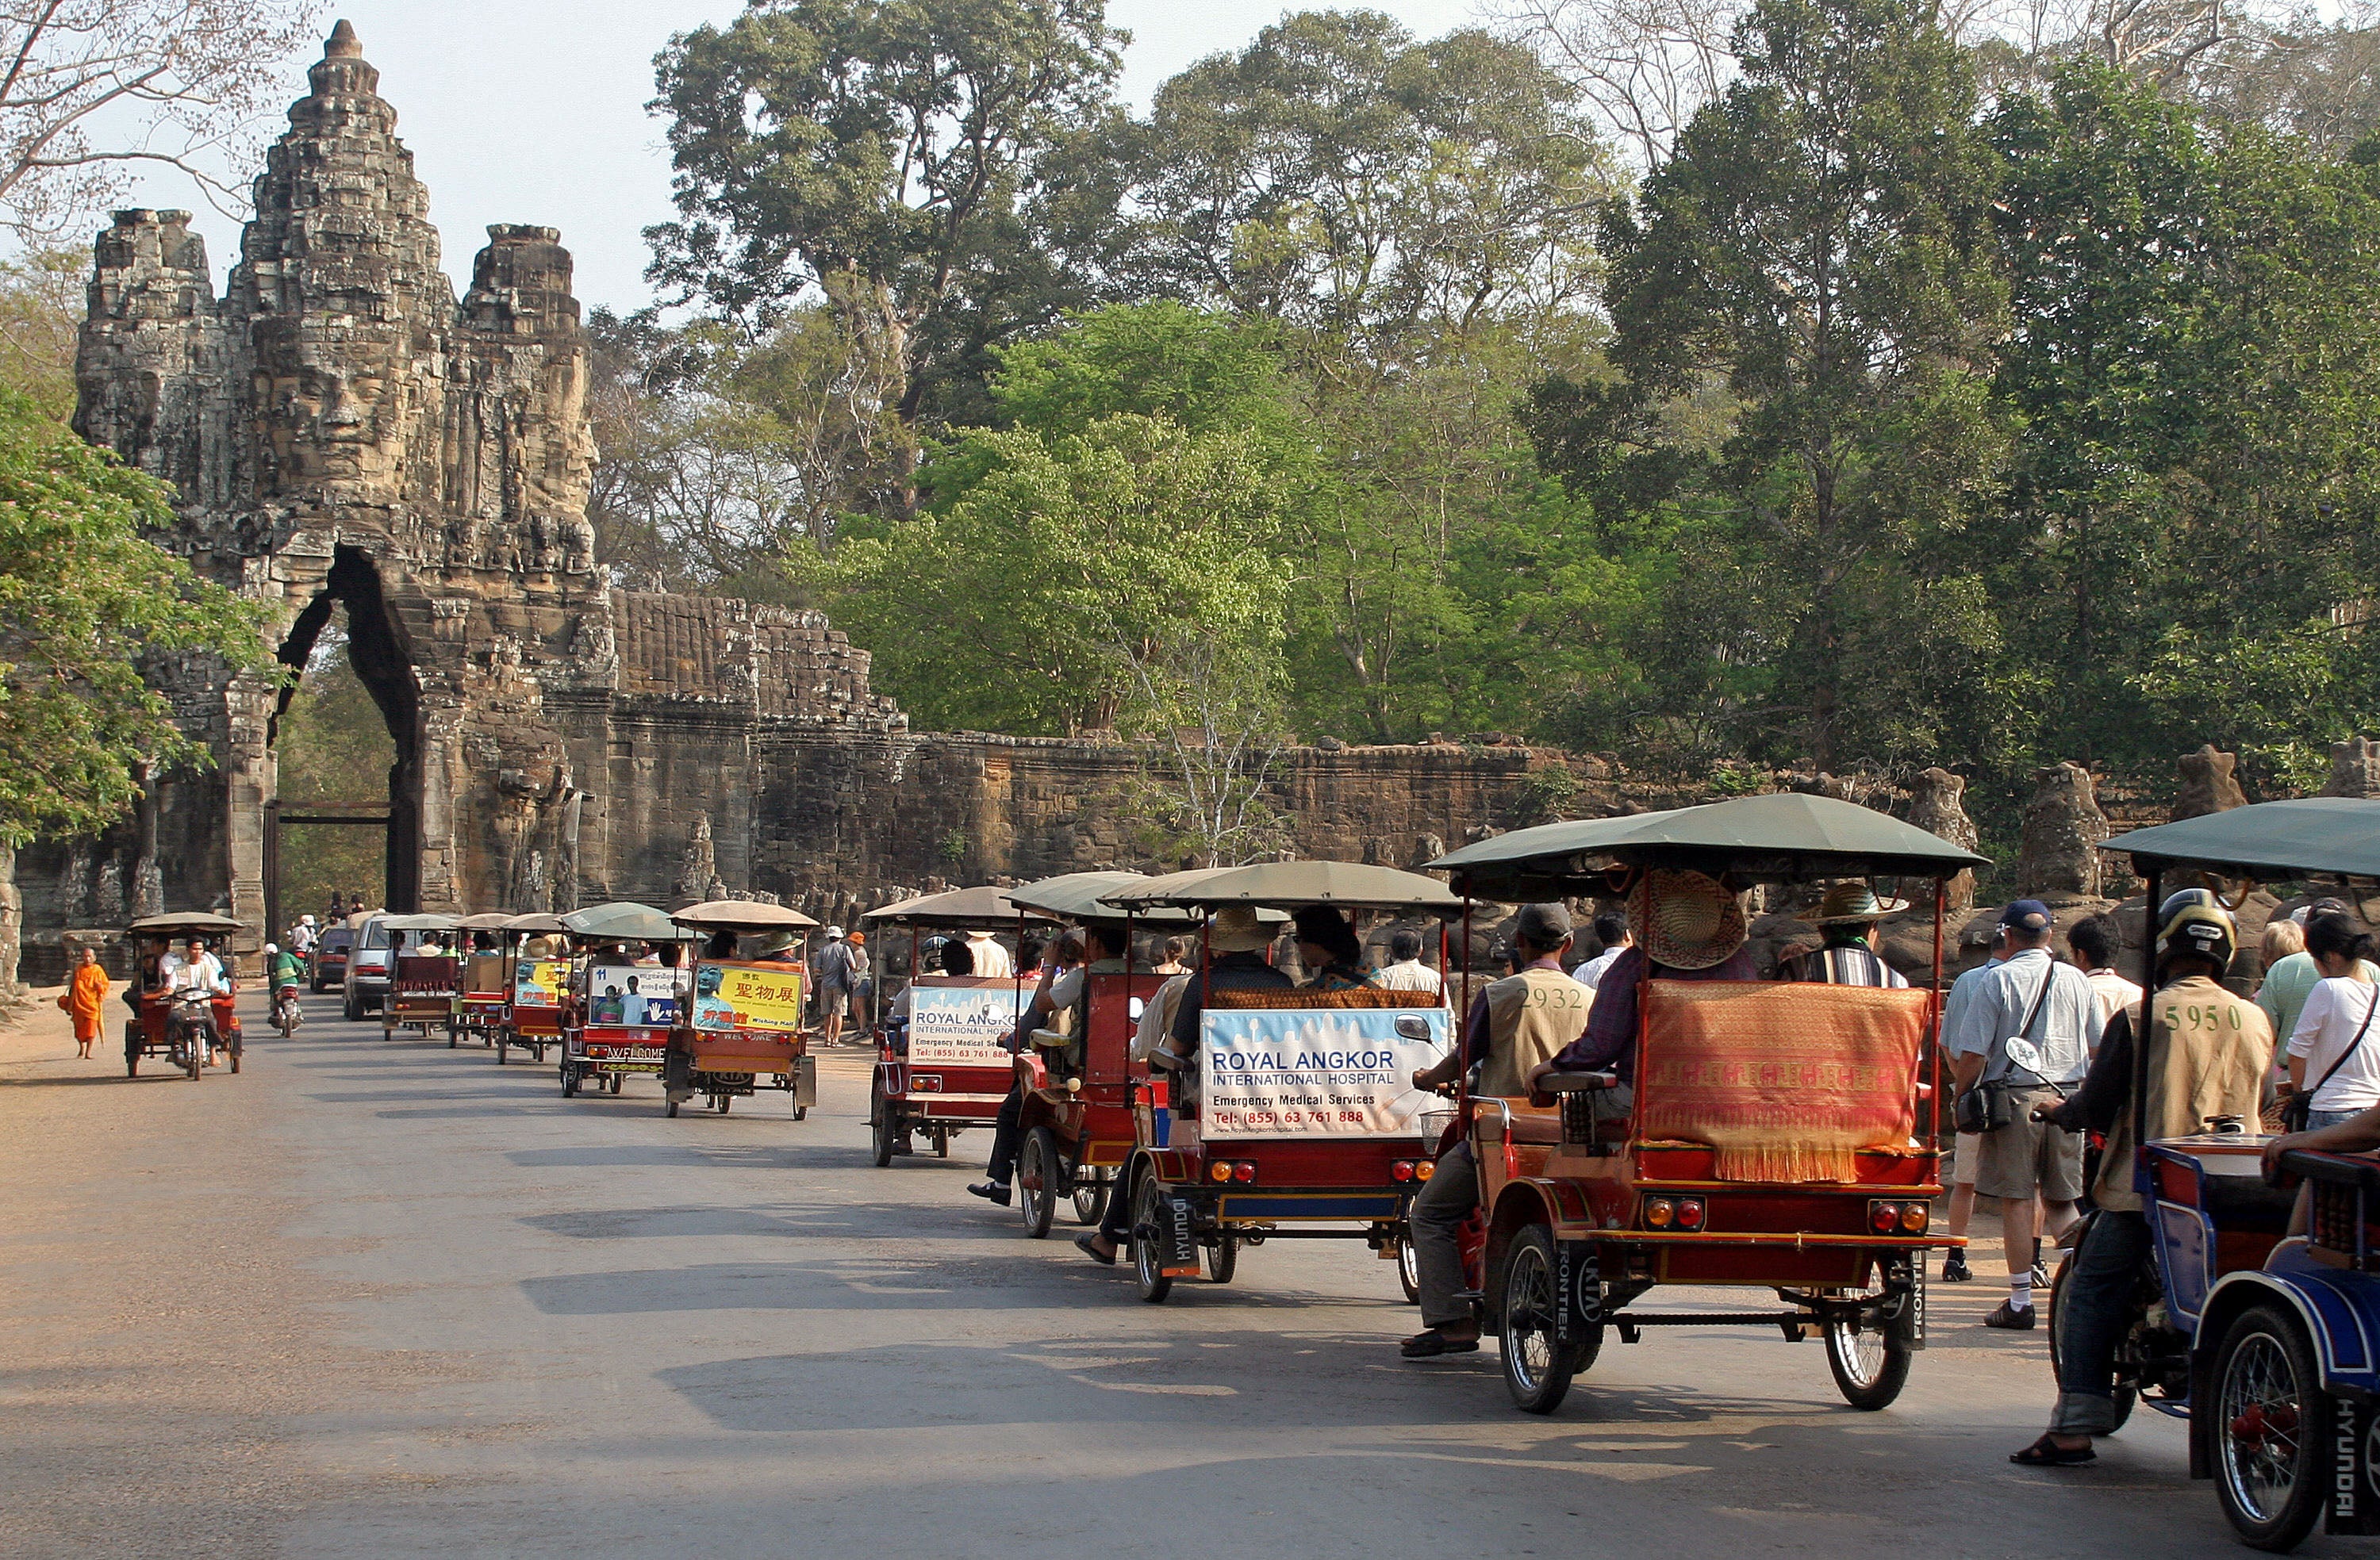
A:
[332,422]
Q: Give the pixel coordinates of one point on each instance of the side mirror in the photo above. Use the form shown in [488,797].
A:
[1411,1026]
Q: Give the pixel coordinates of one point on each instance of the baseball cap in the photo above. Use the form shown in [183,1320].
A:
[1544,923]
[2029,916]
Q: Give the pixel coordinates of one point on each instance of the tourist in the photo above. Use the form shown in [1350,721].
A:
[1967,1147]
[2095,945]
[831,969]
[2333,1044]
[2026,1037]
[1404,971]
[863,988]
[1327,945]
[85,999]
[2289,981]
[991,957]
[1610,927]
[1175,950]
[1690,926]
[1847,956]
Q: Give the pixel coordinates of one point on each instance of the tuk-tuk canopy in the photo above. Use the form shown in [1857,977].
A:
[624,921]
[1290,885]
[740,915]
[982,908]
[428,921]
[1784,836]
[536,921]
[203,923]
[2313,834]
[1082,896]
[487,921]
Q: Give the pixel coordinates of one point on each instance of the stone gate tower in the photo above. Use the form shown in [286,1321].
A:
[341,431]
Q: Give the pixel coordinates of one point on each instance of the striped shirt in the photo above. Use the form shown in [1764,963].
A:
[1843,963]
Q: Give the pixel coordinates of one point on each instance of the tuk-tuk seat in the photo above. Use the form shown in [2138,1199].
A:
[1350,997]
[1526,1123]
[2245,1205]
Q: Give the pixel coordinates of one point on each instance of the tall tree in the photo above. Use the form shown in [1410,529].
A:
[896,161]
[1820,246]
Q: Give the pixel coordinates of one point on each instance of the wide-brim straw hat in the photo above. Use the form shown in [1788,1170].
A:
[1853,904]
[1235,929]
[1686,920]
[779,943]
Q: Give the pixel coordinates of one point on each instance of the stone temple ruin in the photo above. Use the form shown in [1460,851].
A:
[342,430]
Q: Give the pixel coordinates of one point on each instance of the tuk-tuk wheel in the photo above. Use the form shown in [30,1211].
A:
[1147,1262]
[725,1101]
[1408,1266]
[1090,1194]
[235,1058]
[1537,1368]
[454,1036]
[1869,1362]
[1223,1258]
[620,1078]
[569,1081]
[1036,1182]
[888,1133]
[801,1113]
[2271,1429]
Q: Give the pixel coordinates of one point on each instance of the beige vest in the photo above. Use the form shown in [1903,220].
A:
[2209,1055]
[1531,1017]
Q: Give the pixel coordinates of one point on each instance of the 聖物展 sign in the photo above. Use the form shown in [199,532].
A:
[763,996]
[537,983]
[1315,1072]
[631,994]
[963,1025]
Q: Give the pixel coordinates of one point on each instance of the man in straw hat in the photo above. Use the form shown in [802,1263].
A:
[1237,942]
[1847,918]
[831,969]
[1689,925]
[1516,1023]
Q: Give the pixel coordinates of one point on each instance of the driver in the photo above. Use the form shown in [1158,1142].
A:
[2210,1053]
[282,966]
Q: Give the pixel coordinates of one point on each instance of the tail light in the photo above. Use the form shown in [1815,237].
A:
[1241,1170]
[1424,1168]
[1690,1213]
[1221,1169]
[1673,1212]
[1245,1170]
[1900,1218]
[1659,1213]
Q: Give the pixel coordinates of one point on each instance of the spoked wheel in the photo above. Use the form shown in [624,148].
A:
[1224,1258]
[1036,1180]
[1537,1368]
[569,1080]
[888,1137]
[1408,1265]
[2127,1392]
[1147,1262]
[725,1101]
[1090,1195]
[1868,1357]
[618,1079]
[2272,1425]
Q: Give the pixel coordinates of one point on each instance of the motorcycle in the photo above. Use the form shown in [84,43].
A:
[286,1014]
[191,1030]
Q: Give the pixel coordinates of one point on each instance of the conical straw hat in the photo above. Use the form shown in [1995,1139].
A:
[1686,920]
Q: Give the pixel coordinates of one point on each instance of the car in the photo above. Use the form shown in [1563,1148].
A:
[330,963]
[369,970]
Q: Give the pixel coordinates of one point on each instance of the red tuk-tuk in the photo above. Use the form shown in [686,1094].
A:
[617,1014]
[187,1027]
[1298,1109]
[485,984]
[423,975]
[1781,1136]
[746,1019]
[537,983]
[940,1066]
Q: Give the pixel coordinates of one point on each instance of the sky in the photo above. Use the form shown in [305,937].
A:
[532,111]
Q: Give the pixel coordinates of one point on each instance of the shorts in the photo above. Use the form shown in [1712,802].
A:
[2026,1155]
[1963,1163]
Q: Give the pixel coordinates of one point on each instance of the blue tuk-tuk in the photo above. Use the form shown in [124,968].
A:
[2269,1345]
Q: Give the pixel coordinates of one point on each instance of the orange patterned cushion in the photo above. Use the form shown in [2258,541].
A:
[1786,1081]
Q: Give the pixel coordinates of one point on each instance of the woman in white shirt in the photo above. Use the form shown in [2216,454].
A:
[2335,1022]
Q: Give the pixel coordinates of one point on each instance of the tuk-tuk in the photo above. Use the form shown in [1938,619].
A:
[1079,1073]
[1298,1109]
[2265,1345]
[618,1012]
[1782,1136]
[940,1066]
[746,1019]
[484,986]
[423,972]
[537,982]
[185,1028]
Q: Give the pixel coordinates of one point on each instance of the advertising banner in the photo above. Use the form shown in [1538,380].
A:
[764,996]
[537,983]
[960,1020]
[1316,1072]
[632,994]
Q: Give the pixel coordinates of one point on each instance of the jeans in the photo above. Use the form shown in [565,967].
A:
[1446,1201]
[1007,1134]
[2317,1119]
[1115,1219]
[2094,1309]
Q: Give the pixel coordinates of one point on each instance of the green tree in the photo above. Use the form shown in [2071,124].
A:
[1820,248]
[910,164]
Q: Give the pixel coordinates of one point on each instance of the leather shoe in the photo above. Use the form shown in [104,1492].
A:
[997,1192]
[1955,1270]
[2008,1316]
[1430,1343]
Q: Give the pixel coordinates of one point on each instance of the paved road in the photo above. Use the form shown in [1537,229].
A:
[390,1299]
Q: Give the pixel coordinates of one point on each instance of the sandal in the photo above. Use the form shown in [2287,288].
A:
[1429,1343]
[2047,1453]
[1087,1245]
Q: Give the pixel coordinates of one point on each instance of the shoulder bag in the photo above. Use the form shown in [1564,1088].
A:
[2298,1110]
[1987,1107]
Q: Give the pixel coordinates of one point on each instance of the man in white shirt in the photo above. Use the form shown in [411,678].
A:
[991,957]
[194,969]
[1612,931]
[1405,972]
[2096,948]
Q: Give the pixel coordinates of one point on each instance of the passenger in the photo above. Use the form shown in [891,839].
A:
[2095,942]
[1327,946]
[1404,971]
[1612,931]
[1236,942]
[1691,928]
[989,955]
[1173,952]
[1516,1024]
[720,946]
[1847,918]
[2210,1053]
[1097,950]
[2333,1044]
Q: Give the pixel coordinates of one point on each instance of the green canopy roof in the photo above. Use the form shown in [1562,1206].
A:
[486,921]
[624,921]
[982,907]
[1289,885]
[201,921]
[534,921]
[2313,834]
[427,921]
[1778,838]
